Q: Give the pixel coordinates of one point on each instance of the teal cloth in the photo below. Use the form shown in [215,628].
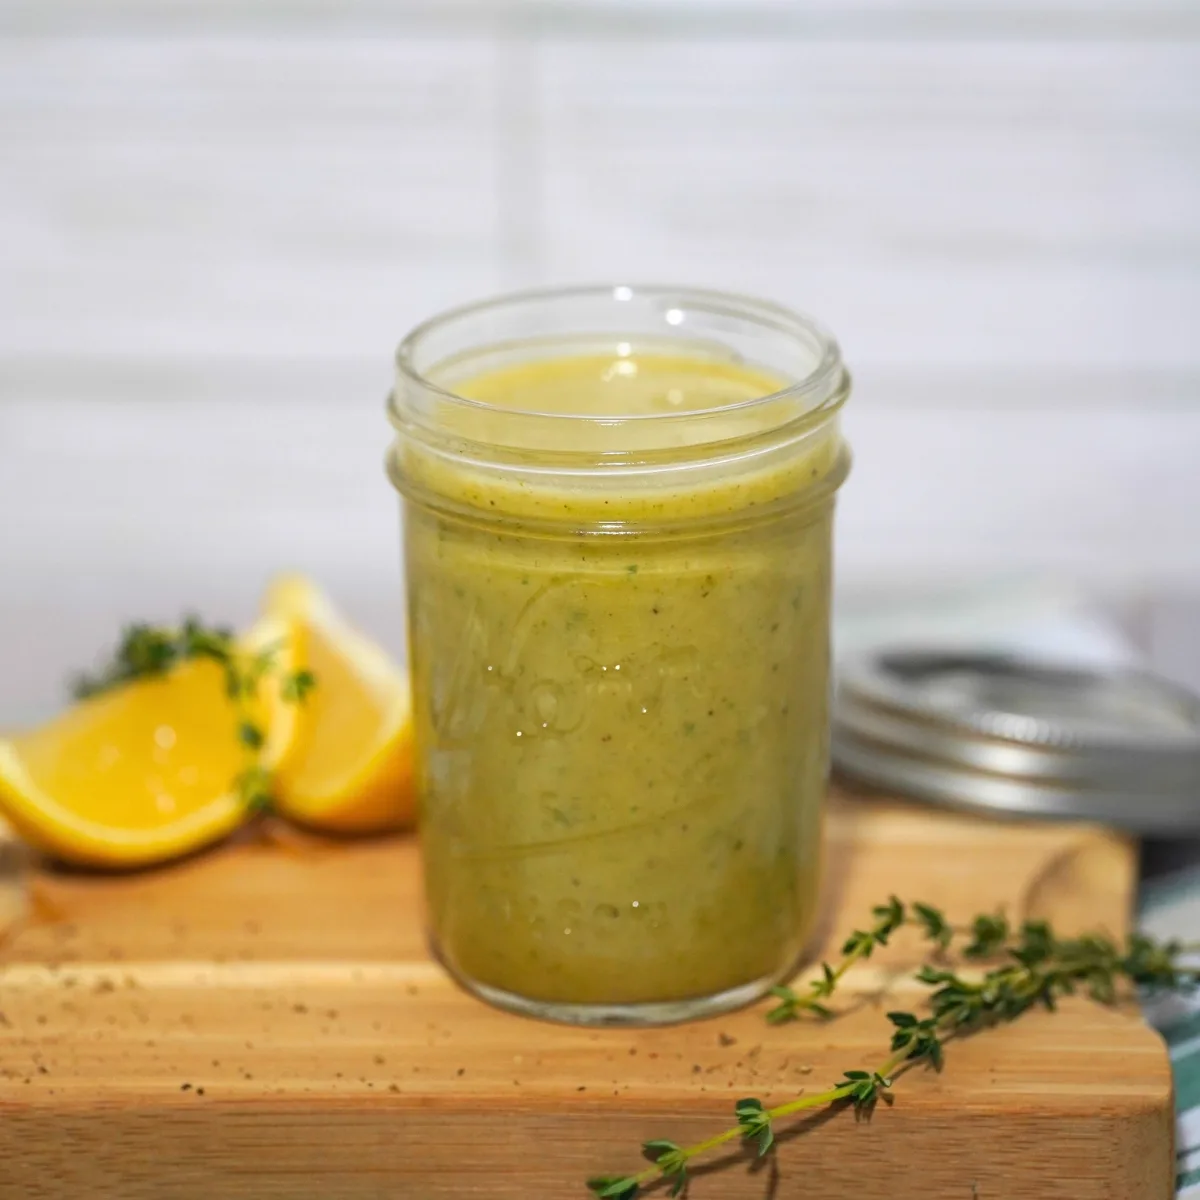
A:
[1170,907]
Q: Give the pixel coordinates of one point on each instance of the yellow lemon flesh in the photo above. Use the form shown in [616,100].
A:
[348,767]
[136,775]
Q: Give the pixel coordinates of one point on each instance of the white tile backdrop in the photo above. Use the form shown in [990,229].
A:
[216,220]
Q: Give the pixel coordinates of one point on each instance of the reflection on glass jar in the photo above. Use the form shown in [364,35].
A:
[617,542]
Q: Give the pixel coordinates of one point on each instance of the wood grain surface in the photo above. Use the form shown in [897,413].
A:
[263,1021]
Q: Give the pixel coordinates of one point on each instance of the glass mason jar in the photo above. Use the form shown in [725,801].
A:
[617,510]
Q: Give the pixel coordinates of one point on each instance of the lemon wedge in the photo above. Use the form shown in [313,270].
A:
[141,773]
[348,763]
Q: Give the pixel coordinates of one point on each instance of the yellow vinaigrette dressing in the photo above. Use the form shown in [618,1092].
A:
[619,648]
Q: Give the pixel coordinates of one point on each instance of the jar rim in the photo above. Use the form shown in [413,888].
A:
[822,382]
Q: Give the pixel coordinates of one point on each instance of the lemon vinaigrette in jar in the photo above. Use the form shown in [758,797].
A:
[618,507]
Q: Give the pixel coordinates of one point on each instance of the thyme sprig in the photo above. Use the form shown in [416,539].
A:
[147,651]
[1034,968]
[858,946]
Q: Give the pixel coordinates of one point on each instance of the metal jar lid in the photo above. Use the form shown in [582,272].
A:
[999,733]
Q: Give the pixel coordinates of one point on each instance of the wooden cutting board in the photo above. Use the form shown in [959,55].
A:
[263,1021]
